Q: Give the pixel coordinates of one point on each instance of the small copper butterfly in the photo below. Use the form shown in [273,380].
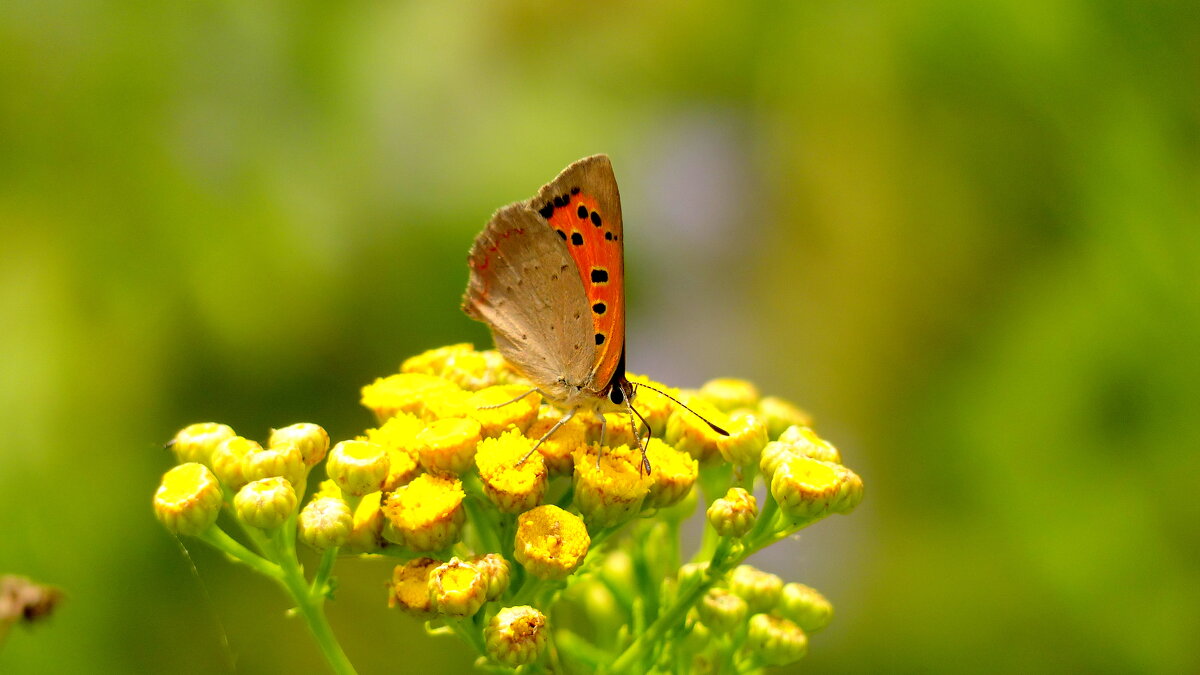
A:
[548,278]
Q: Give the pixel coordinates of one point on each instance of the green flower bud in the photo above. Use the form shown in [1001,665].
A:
[805,606]
[516,636]
[733,515]
[196,442]
[496,572]
[358,467]
[773,454]
[692,573]
[759,589]
[807,489]
[776,641]
[265,503]
[457,588]
[781,414]
[721,610]
[188,500]
[325,523]
[729,394]
[310,439]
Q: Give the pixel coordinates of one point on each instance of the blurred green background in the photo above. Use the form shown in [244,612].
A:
[964,235]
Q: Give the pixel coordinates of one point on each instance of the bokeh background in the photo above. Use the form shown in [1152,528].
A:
[965,236]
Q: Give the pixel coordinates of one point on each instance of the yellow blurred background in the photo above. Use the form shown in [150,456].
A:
[965,236]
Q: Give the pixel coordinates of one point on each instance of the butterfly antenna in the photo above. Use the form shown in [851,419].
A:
[715,428]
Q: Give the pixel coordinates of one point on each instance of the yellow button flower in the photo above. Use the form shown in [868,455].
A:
[427,514]
[497,573]
[673,473]
[367,533]
[744,444]
[265,503]
[689,433]
[398,436]
[324,523]
[358,467]
[188,500]
[516,636]
[780,414]
[495,420]
[228,460]
[808,488]
[283,461]
[444,404]
[653,406]
[404,392]
[448,445]
[551,543]
[733,515]
[196,442]
[776,641]
[805,441]
[805,606]
[310,439]
[728,394]
[409,589]
[457,588]
[759,589]
[611,490]
[512,487]
[615,428]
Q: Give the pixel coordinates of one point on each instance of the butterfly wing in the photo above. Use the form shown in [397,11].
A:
[524,286]
[583,208]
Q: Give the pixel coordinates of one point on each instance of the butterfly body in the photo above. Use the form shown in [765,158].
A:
[547,276]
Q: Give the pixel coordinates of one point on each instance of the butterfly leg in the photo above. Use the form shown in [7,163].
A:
[644,446]
[565,418]
[501,405]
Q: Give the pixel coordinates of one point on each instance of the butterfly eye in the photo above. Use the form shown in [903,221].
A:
[616,395]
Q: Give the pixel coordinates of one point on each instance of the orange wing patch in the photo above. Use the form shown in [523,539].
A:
[597,251]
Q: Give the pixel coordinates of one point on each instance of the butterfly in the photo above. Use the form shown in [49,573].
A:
[547,276]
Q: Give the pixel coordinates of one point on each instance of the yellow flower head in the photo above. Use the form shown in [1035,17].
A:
[759,589]
[673,473]
[611,489]
[398,436]
[460,364]
[446,404]
[689,433]
[427,514]
[721,610]
[358,467]
[188,500]
[521,413]
[513,487]
[324,523]
[228,460]
[776,641]
[551,543]
[265,503]
[310,439]
[655,407]
[196,442]
[283,461]
[781,414]
[733,515]
[616,428]
[434,361]
[410,587]
[404,392]
[448,445]
[728,394]
[516,636]
[496,571]
[558,448]
[744,444]
[807,488]
[367,533]
[457,588]
[805,606]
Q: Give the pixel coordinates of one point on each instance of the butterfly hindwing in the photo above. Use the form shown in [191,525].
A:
[524,285]
[583,209]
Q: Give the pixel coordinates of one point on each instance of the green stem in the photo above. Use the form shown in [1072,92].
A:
[217,538]
[320,585]
[466,631]
[630,660]
[310,608]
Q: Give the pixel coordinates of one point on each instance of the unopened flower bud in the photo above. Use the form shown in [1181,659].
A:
[228,460]
[550,543]
[448,445]
[409,589]
[283,461]
[807,489]
[805,606]
[196,442]
[780,414]
[686,431]
[514,486]
[310,439]
[367,535]
[358,467]
[721,610]
[325,523]
[516,636]
[729,394]
[265,503]
[773,454]
[744,444]
[611,489]
[427,514]
[692,573]
[188,500]
[457,588]
[497,573]
[805,441]
[777,642]
[759,589]
[733,515]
